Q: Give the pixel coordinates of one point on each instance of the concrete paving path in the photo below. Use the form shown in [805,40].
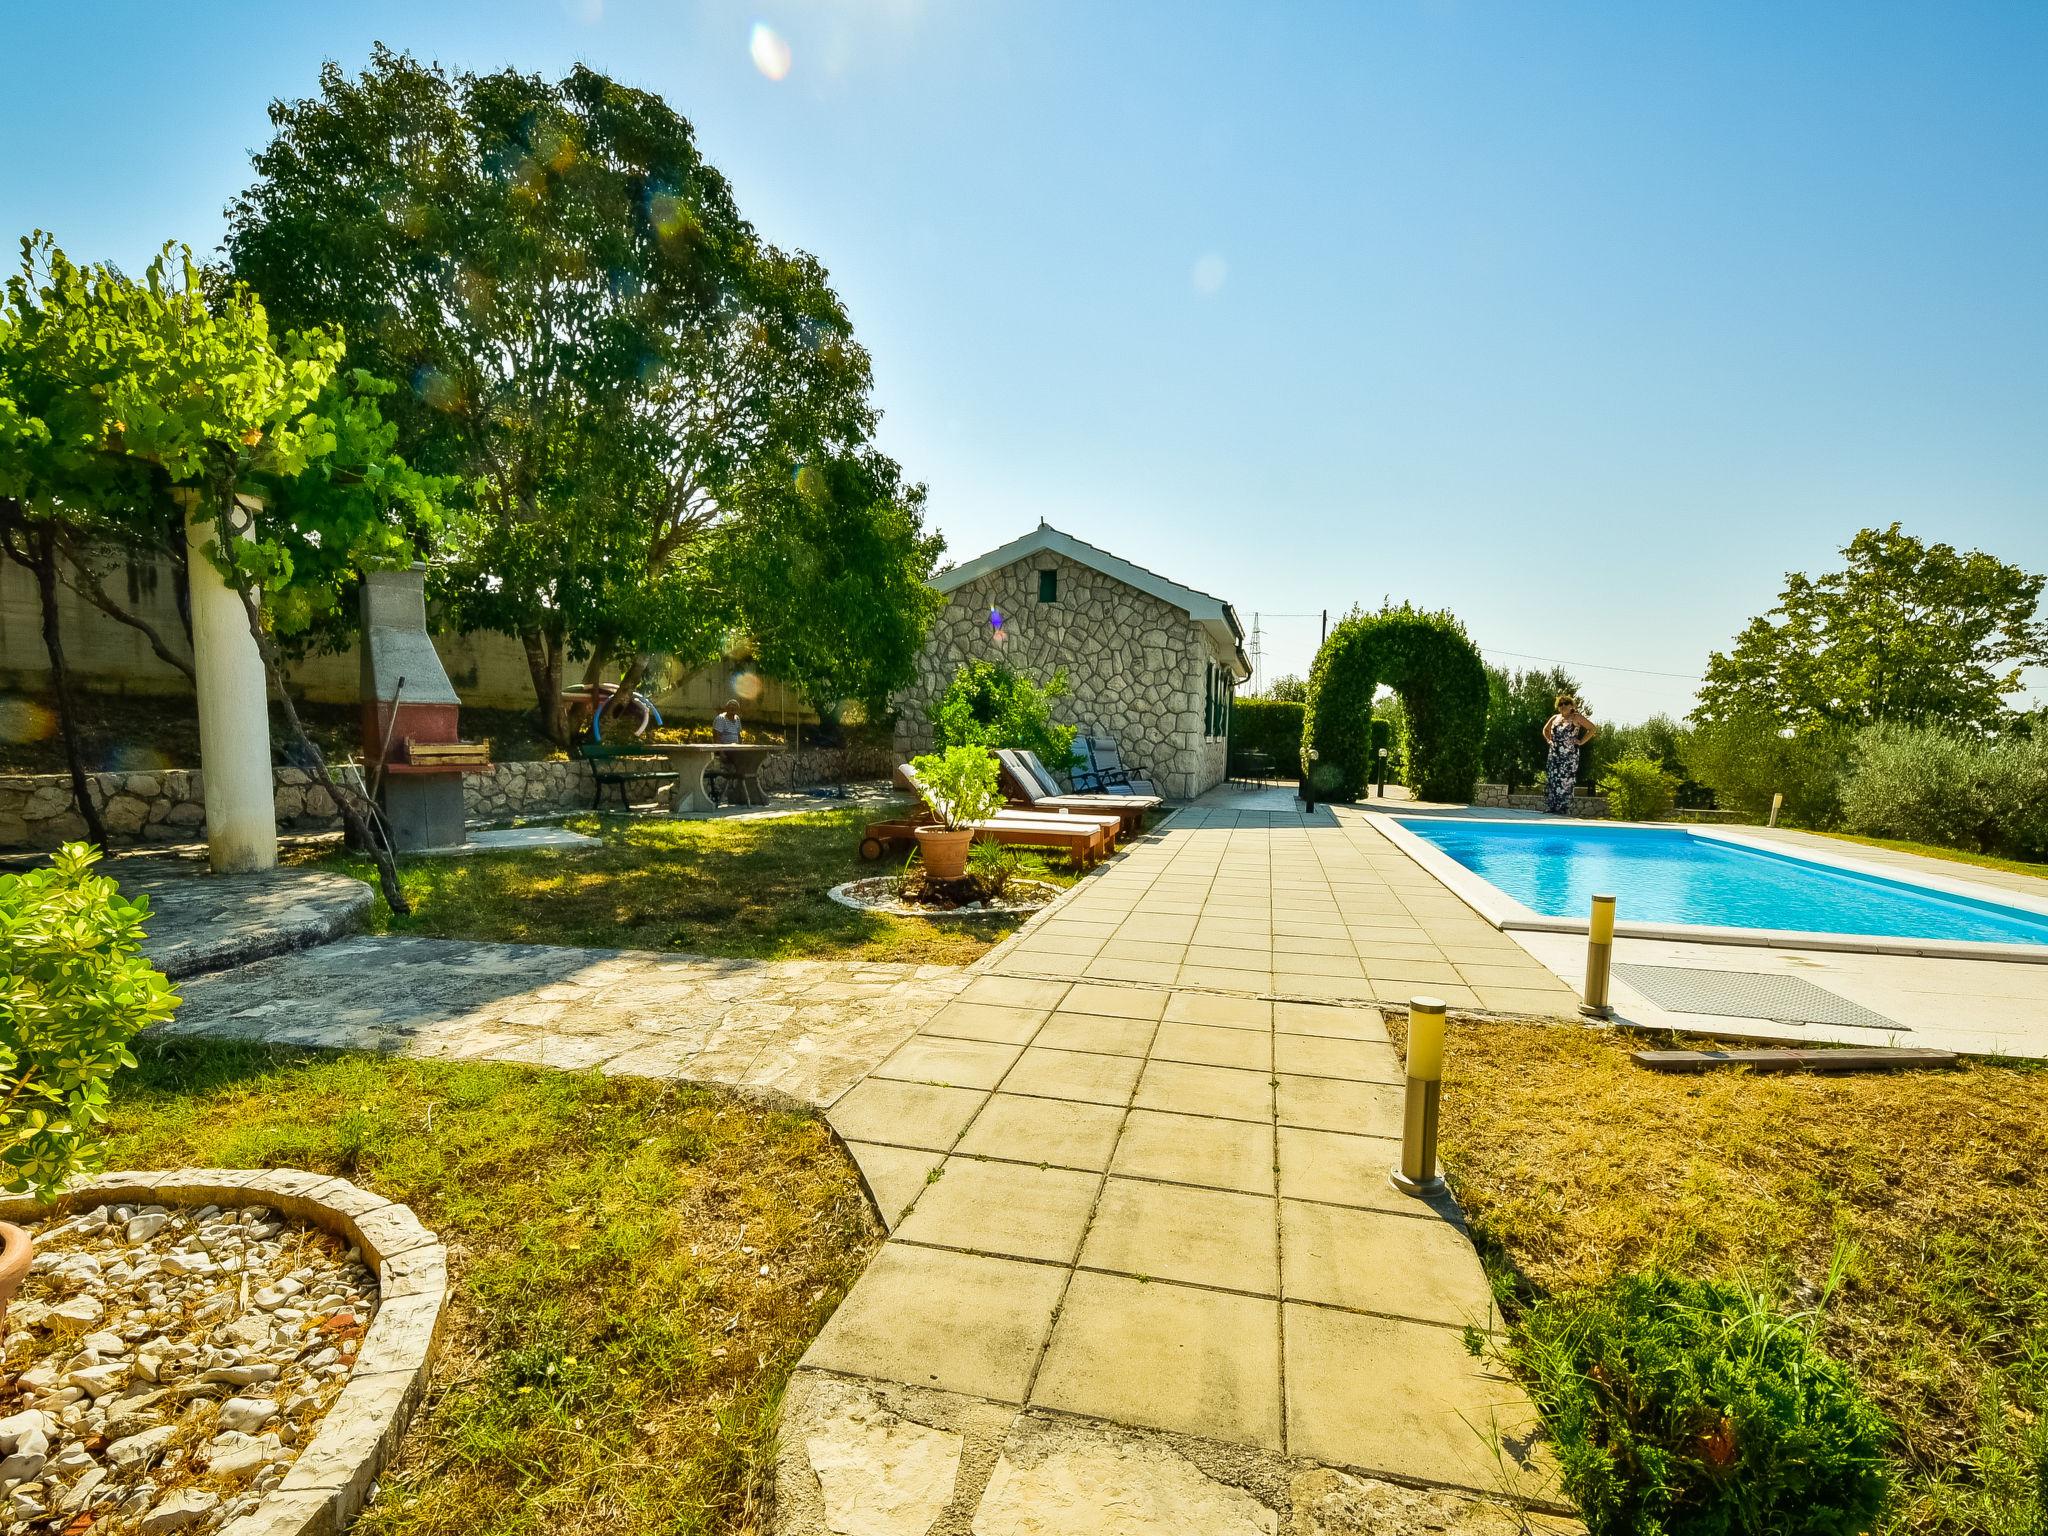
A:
[1136,1179]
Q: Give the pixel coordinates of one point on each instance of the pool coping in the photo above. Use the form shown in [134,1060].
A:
[1507,914]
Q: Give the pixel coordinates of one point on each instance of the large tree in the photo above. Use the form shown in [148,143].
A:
[598,344]
[1906,633]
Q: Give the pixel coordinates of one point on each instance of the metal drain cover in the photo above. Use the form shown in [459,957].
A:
[1745,995]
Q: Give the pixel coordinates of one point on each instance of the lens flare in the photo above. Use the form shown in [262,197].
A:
[769,52]
[1209,274]
[24,720]
[747,686]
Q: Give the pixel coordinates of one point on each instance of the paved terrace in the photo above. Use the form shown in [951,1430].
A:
[1136,1176]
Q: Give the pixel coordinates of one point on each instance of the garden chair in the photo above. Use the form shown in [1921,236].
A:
[1106,765]
[1083,838]
[1031,788]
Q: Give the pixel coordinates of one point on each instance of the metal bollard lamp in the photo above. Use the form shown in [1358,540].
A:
[1599,959]
[1418,1174]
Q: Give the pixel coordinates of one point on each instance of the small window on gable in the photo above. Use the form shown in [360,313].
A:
[1048,586]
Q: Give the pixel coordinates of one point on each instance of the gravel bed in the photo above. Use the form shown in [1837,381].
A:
[165,1365]
[880,893]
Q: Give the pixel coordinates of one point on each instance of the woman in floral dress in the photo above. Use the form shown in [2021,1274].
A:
[1567,731]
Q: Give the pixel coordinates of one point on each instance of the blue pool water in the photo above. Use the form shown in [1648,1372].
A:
[1667,875]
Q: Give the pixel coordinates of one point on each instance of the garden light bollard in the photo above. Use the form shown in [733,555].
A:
[1417,1174]
[1777,805]
[1599,959]
[1380,778]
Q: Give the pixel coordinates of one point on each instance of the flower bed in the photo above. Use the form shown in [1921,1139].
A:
[182,1361]
[171,1364]
[884,893]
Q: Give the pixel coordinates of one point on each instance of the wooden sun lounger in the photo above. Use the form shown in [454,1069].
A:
[1084,838]
[1027,792]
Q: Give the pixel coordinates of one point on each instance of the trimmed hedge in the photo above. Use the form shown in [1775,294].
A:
[1428,660]
[1271,726]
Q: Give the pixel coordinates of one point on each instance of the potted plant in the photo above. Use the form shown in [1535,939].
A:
[74,990]
[960,786]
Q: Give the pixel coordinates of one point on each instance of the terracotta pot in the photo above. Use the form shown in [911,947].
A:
[16,1249]
[944,851]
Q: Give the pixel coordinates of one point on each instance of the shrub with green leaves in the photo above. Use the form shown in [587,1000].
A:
[988,704]
[1746,758]
[74,990]
[961,784]
[1638,789]
[1682,1407]
[1960,791]
[994,865]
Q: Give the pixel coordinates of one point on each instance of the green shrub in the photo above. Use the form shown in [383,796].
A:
[1934,786]
[994,865]
[1744,759]
[1660,738]
[1691,1408]
[988,704]
[1271,726]
[73,993]
[1638,789]
[961,784]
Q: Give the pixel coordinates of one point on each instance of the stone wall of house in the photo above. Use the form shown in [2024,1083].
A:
[170,805]
[1134,665]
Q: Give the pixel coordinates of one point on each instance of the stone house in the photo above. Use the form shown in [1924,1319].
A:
[1149,662]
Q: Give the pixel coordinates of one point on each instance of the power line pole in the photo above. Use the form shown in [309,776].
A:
[1326,628]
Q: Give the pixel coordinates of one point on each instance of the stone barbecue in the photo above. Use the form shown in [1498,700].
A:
[410,716]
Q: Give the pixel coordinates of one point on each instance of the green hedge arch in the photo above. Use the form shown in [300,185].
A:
[1429,660]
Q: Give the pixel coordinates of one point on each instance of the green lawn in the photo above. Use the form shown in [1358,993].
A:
[719,887]
[637,1268]
[1573,1164]
[1953,855]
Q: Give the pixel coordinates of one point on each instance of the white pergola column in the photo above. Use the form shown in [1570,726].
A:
[234,714]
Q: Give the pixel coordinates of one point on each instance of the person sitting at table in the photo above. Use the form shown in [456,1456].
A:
[725,730]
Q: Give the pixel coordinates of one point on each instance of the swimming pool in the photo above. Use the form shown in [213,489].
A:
[1666,878]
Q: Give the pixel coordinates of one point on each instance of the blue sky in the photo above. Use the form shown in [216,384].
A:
[1585,321]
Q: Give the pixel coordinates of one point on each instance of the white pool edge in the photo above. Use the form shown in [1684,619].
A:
[1505,913]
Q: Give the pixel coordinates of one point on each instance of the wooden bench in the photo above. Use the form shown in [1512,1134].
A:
[600,754]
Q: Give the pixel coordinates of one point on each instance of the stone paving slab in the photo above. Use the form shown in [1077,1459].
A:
[200,921]
[871,1458]
[802,1029]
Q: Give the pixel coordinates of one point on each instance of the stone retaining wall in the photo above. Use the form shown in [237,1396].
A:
[170,806]
[1496,797]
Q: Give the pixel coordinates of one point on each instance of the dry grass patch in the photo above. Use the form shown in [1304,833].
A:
[637,1268]
[1923,1191]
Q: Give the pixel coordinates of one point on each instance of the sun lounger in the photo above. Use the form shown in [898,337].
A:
[1084,838]
[1031,788]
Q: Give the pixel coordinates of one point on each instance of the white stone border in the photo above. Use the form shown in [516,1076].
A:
[331,1480]
[840,894]
[1506,913]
